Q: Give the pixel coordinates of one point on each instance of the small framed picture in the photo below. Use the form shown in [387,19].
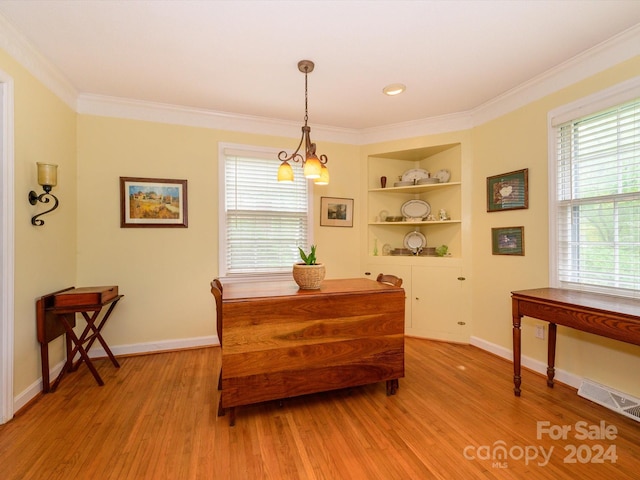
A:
[507,241]
[509,191]
[336,212]
[152,202]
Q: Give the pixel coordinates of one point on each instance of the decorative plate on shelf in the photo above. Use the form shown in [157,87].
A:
[443,175]
[415,241]
[403,184]
[416,209]
[414,174]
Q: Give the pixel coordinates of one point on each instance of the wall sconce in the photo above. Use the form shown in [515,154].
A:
[48,178]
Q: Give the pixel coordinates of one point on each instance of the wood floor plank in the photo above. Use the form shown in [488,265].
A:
[156,417]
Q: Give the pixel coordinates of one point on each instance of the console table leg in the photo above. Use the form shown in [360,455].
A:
[551,354]
[517,379]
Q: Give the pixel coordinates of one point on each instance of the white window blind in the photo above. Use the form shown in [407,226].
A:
[598,201]
[264,221]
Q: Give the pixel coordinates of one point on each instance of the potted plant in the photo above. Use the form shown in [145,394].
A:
[308,274]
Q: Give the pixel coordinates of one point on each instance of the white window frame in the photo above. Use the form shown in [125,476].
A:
[222,224]
[608,98]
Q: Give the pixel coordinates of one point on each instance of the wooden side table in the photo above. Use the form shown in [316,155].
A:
[596,313]
[55,316]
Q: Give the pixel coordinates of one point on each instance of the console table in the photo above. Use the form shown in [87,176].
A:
[605,315]
[279,341]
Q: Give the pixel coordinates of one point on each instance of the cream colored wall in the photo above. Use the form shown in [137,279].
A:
[45,260]
[515,141]
[164,273]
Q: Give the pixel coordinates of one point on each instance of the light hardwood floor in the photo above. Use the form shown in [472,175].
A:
[155,418]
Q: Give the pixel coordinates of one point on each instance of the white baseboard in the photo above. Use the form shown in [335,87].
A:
[536,365]
[35,388]
[167,345]
[155,347]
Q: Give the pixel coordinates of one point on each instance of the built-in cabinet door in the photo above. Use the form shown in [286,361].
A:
[439,303]
[402,271]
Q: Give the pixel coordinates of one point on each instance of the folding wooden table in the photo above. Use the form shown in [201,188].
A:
[56,315]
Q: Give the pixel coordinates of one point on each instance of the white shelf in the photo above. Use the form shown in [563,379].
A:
[433,222]
[413,188]
[450,260]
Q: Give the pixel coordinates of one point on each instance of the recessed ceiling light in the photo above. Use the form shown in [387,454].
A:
[394,89]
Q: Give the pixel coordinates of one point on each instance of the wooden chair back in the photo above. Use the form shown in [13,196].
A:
[390,279]
[216,291]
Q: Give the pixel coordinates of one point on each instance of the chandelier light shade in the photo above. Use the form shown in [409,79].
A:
[285,173]
[324,176]
[314,167]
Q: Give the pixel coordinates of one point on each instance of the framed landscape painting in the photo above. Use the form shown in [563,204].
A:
[152,202]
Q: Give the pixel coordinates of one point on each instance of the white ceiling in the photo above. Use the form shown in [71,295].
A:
[241,56]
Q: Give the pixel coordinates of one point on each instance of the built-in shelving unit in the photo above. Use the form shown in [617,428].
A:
[436,288]
[439,196]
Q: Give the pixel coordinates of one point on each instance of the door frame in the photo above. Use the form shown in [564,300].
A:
[7,247]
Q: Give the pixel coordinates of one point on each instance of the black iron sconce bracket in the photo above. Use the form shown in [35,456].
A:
[42,198]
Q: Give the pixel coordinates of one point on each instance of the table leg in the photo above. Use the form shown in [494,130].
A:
[517,379]
[392,386]
[97,335]
[551,354]
[78,349]
[69,346]
[81,341]
[44,358]
[68,364]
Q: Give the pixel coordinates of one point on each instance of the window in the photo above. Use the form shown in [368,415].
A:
[262,222]
[595,201]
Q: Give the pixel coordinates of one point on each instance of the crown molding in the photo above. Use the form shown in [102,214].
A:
[426,126]
[106,106]
[613,51]
[617,49]
[16,45]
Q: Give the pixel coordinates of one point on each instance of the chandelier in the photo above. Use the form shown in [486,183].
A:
[314,167]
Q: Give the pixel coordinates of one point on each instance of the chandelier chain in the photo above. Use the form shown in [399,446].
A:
[306,114]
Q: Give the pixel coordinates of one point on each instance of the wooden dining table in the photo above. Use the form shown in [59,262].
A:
[279,341]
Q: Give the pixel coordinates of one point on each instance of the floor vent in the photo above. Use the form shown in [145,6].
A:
[610,398]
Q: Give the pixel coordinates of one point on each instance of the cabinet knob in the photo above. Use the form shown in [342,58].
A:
[367,273]
[461,278]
